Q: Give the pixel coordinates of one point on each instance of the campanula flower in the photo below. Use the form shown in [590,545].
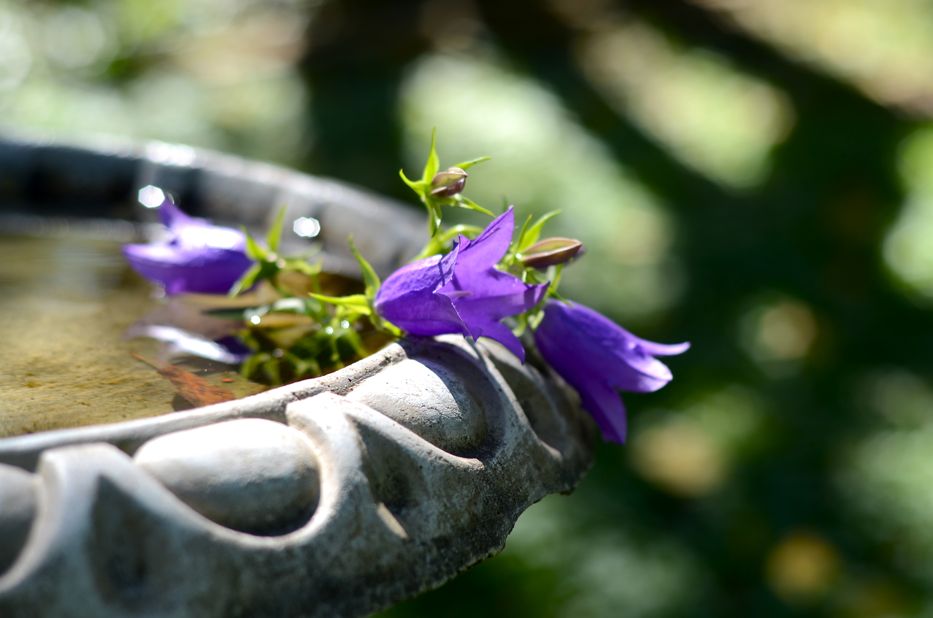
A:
[598,358]
[196,257]
[461,292]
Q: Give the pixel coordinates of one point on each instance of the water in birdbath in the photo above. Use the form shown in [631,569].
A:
[69,306]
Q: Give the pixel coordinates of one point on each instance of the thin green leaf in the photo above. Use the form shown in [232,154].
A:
[370,278]
[468,164]
[433,163]
[308,366]
[555,280]
[352,313]
[253,362]
[274,236]
[272,371]
[434,218]
[521,325]
[415,185]
[534,319]
[521,235]
[357,302]
[246,281]
[302,266]
[353,338]
[438,244]
[385,325]
[465,202]
[534,232]
[253,249]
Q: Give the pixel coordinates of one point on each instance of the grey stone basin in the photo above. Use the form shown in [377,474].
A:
[329,497]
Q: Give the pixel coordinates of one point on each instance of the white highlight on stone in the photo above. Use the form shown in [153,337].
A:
[306,227]
[151,197]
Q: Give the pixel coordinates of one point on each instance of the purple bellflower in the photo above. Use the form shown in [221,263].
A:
[598,358]
[196,257]
[461,292]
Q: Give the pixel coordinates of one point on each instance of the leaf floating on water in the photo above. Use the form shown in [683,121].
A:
[193,389]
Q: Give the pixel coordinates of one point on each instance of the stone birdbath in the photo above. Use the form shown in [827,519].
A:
[335,496]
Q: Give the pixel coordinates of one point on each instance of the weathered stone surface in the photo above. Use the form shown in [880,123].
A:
[251,474]
[17,510]
[428,399]
[396,512]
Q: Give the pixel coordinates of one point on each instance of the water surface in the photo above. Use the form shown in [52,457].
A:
[66,303]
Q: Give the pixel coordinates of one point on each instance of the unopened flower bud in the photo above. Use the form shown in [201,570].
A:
[448,183]
[551,251]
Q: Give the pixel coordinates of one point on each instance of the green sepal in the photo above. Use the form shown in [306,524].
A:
[385,325]
[370,278]
[246,280]
[358,302]
[531,233]
[253,362]
[302,266]
[415,185]
[465,165]
[438,244]
[274,235]
[434,217]
[464,202]
[253,249]
[433,163]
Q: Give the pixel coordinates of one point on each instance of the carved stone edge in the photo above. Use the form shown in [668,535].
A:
[98,178]
[411,465]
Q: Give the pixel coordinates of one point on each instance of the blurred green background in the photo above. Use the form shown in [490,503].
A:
[755,176]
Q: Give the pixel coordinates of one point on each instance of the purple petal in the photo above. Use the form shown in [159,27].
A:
[173,217]
[197,257]
[649,375]
[504,335]
[487,249]
[491,294]
[660,349]
[607,409]
[596,357]
[461,292]
[420,278]
[407,298]
[610,350]
[211,271]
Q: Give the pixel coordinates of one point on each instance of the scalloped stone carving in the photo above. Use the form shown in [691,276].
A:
[262,475]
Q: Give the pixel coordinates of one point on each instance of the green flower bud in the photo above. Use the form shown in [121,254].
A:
[550,252]
[448,183]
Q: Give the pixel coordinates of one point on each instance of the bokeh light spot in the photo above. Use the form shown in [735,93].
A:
[802,567]
[908,252]
[778,333]
[679,457]
[715,118]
